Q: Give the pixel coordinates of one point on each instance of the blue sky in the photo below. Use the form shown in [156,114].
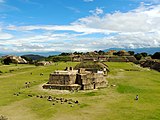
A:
[78,25]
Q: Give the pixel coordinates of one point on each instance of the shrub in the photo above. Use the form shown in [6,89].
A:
[156,55]
[138,56]
[2,117]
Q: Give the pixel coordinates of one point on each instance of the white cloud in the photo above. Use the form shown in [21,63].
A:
[7,8]
[5,36]
[73,9]
[136,40]
[88,0]
[143,19]
[74,27]
[44,42]
[133,29]
[97,11]
[140,20]
[152,1]
[147,2]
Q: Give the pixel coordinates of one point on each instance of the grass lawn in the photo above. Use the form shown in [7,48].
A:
[111,103]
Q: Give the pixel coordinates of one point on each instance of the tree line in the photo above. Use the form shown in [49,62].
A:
[68,56]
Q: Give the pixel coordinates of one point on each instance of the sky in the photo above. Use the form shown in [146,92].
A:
[78,25]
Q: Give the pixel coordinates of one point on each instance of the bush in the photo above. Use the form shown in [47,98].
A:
[144,54]
[7,61]
[138,56]
[61,58]
[156,55]
[131,52]
[2,117]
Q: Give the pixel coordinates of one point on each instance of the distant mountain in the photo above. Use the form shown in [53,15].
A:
[50,53]
[34,57]
[46,54]
[1,54]
[137,50]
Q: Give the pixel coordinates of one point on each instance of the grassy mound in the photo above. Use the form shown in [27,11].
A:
[89,65]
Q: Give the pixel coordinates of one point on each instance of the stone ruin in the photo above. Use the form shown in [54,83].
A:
[152,64]
[43,63]
[80,79]
[15,59]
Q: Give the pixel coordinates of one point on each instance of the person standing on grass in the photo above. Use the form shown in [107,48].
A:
[137,97]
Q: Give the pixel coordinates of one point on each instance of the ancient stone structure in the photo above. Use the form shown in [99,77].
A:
[15,59]
[80,79]
[105,58]
[90,80]
[117,59]
[153,64]
[76,58]
[131,59]
[43,63]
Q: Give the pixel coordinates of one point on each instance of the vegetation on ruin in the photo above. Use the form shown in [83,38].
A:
[91,65]
[116,102]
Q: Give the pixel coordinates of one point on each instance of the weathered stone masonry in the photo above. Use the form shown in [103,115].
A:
[76,79]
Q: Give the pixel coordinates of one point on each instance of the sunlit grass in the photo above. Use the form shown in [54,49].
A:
[112,103]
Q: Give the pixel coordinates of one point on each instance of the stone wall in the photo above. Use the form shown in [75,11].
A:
[124,57]
[73,79]
[15,59]
[151,64]
[156,66]
[91,81]
[43,63]
[131,59]
[61,87]
[62,79]
[117,59]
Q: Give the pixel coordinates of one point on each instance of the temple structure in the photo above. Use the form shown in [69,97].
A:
[80,79]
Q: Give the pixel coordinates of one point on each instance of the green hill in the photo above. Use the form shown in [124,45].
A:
[34,57]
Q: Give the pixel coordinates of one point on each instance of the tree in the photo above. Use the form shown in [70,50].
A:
[100,52]
[95,51]
[78,53]
[64,54]
[61,58]
[144,54]
[156,55]
[131,52]
[55,59]
[138,56]
[7,61]
[27,59]
[115,53]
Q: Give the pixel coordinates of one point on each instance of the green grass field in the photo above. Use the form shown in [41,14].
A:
[111,103]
